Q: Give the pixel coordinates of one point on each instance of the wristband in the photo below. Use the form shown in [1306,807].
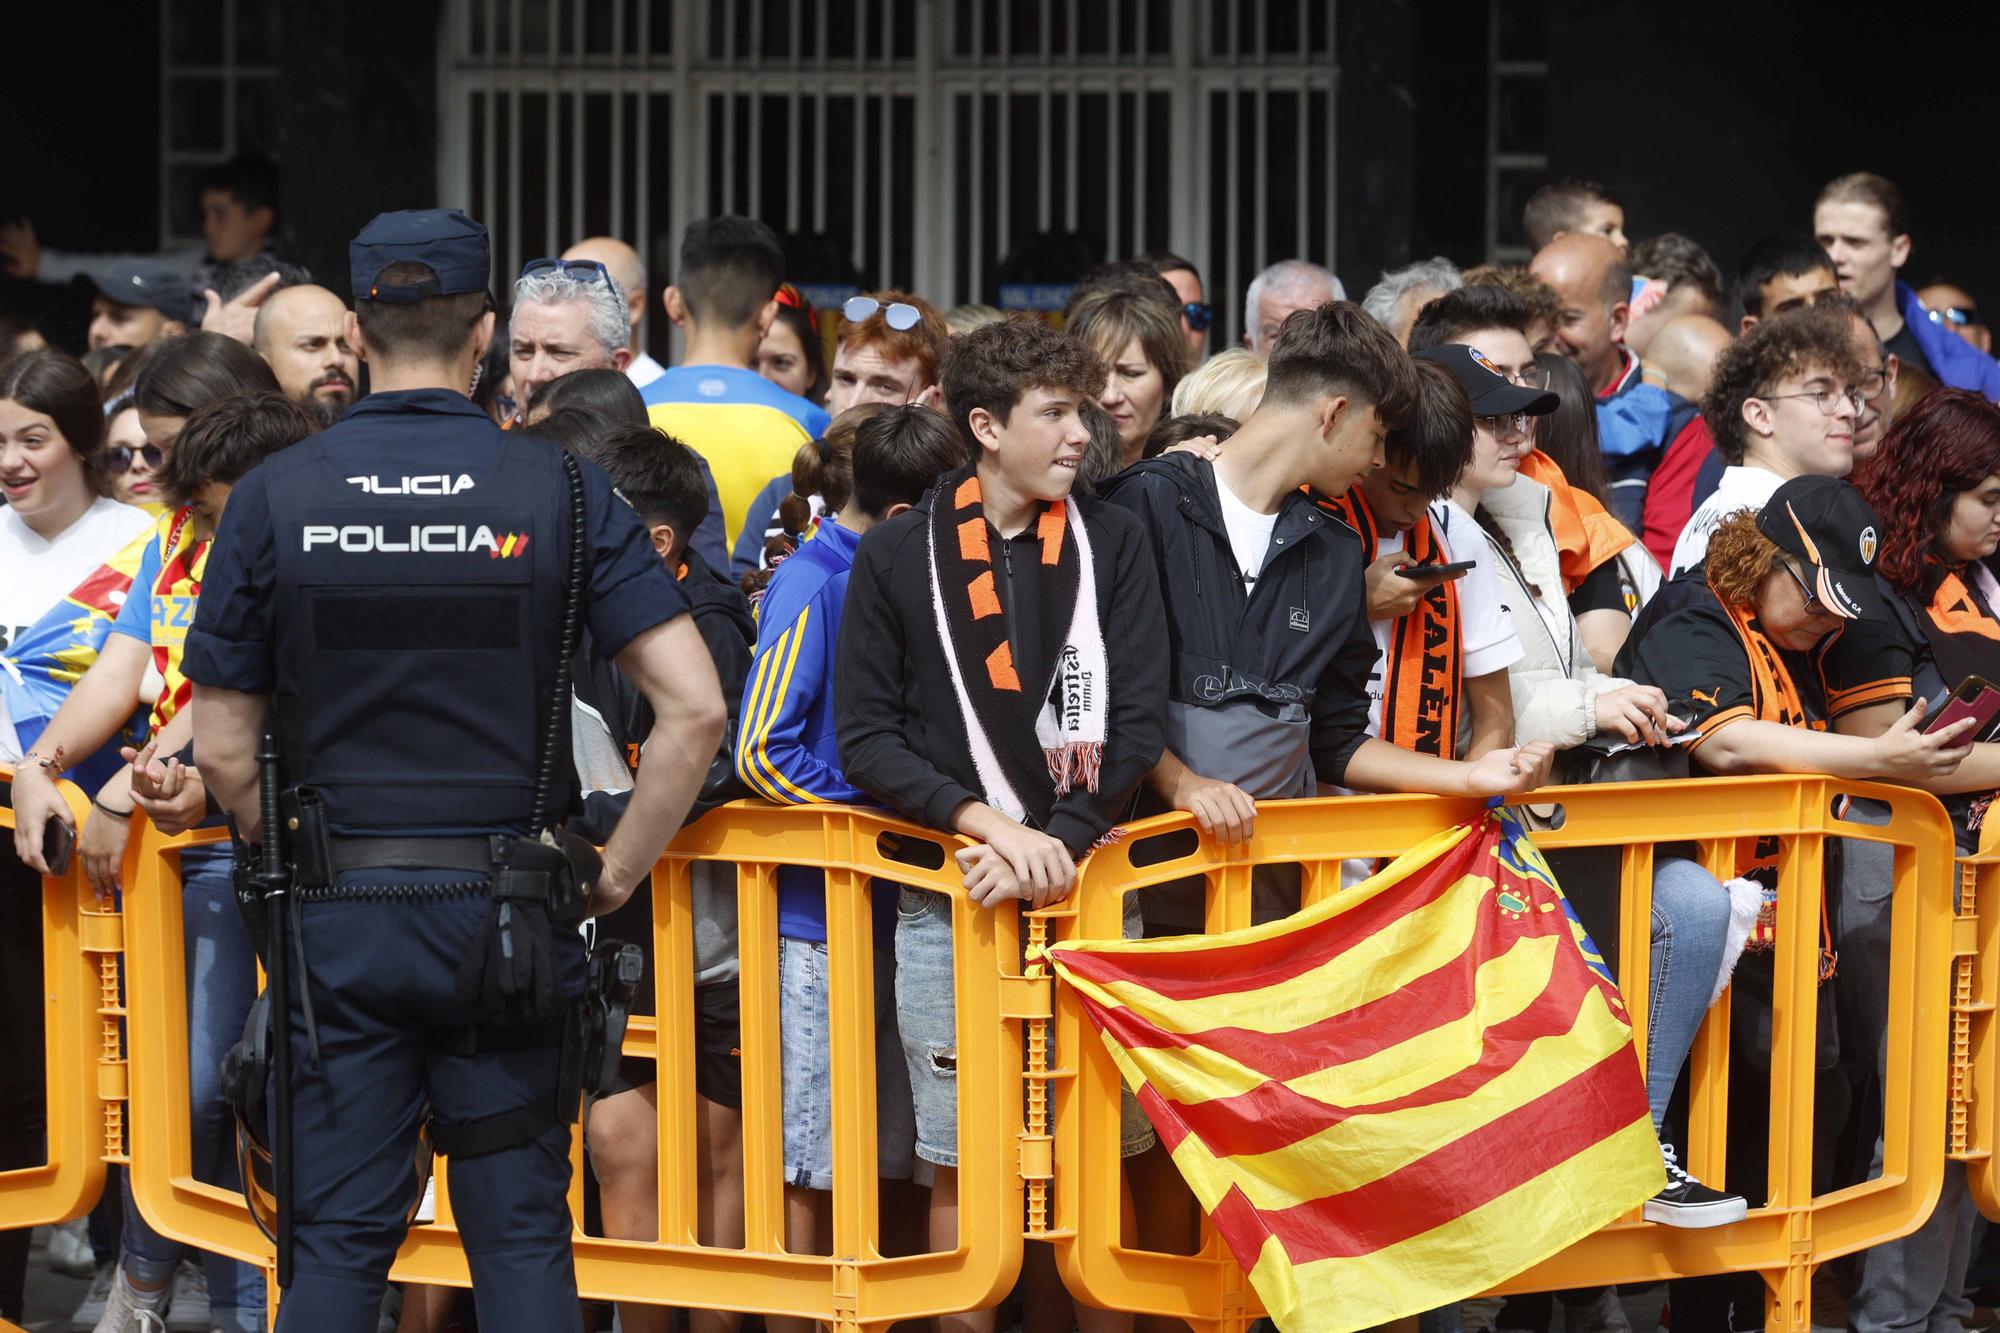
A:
[115,814]
[54,766]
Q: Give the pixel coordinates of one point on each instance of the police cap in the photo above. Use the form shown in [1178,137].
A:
[453,245]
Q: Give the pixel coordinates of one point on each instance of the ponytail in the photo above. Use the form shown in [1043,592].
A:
[822,475]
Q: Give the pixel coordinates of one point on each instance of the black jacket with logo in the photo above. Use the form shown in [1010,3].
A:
[1299,635]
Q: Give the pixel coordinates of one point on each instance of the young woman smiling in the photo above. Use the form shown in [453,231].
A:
[58,523]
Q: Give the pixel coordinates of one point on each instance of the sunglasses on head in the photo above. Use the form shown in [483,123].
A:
[896,314]
[582,270]
[118,458]
[796,299]
[1199,315]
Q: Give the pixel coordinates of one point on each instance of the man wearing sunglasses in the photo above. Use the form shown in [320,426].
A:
[1196,314]
[890,346]
[1950,305]
[1783,404]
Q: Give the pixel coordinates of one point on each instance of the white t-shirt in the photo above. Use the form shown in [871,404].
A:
[1740,488]
[643,370]
[36,574]
[1487,640]
[1249,533]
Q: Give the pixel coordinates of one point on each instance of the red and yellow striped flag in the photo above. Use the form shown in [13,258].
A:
[1394,1099]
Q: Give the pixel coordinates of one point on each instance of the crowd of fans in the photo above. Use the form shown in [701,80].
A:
[1609,514]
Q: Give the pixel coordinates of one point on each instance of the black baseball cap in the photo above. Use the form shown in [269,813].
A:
[453,245]
[152,283]
[1492,393]
[1825,523]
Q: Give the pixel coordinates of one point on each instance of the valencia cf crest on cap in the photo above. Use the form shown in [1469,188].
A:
[1826,524]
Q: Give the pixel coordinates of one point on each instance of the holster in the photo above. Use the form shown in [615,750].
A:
[593,1033]
[555,872]
[611,981]
[540,889]
[307,836]
[246,1069]
[244,859]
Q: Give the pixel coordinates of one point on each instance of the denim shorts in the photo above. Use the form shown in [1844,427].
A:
[803,1009]
[927,1014]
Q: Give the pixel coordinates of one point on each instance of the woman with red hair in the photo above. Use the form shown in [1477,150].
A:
[1935,486]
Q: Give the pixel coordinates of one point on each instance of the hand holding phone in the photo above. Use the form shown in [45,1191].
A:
[1431,573]
[58,843]
[1976,698]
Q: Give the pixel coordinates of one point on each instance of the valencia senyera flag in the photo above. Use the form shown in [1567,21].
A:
[1396,1098]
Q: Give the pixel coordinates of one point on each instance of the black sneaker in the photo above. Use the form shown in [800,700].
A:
[1686,1202]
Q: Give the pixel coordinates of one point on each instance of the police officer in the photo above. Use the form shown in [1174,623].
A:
[390,598]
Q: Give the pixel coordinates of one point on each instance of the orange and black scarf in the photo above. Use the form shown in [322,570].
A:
[1774,697]
[1959,624]
[1050,730]
[1424,668]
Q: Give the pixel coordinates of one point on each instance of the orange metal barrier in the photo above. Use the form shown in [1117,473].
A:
[79,983]
[1781,1241]
[854,1288]
[1975,1118]
[1042,1143]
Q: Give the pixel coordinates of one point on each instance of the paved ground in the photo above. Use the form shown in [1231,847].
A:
[51,1297]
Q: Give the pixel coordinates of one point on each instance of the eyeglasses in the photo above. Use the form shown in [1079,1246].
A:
[1199,315]
[1529,377]
[896,315]
[1814,606]
[118,458]
[796,299]
[582,270]
[1958,316]
[1827,400]
[1872,383]
[1515,423]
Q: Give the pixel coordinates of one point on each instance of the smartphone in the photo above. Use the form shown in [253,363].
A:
[1976,698]
[58,842]
[1437,573]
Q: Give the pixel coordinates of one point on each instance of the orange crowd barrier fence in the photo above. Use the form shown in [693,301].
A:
[1782,1241]
[1975,1075]
[859,1284]
[1039,1097]
[78,1019]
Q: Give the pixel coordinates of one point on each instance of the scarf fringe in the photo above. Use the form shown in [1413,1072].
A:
[1077,761]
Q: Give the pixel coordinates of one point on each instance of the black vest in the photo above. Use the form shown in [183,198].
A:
[417,620]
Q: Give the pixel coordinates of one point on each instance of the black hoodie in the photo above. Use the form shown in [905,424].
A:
[1300,635]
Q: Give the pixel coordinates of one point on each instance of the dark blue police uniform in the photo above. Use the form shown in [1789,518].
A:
[396,585]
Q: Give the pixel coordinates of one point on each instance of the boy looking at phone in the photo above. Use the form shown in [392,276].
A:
[1442,631]
[1269,688]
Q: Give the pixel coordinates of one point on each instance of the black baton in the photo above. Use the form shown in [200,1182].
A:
[275,877]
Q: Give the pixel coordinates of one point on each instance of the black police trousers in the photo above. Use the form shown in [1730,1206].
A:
[382,975]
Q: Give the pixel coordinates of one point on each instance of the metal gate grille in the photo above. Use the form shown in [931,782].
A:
[915,143]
